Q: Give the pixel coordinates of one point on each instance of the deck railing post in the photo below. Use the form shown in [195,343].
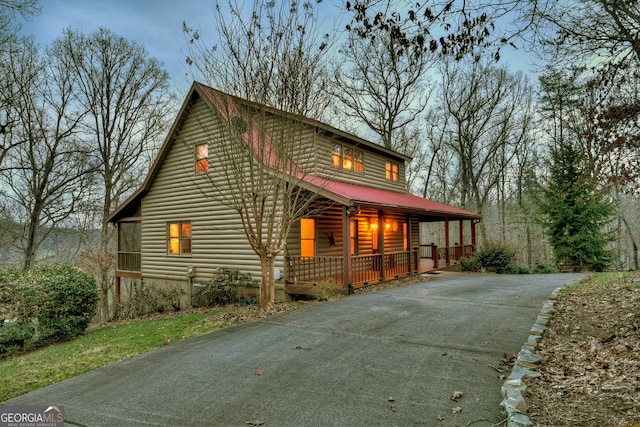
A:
[434,255]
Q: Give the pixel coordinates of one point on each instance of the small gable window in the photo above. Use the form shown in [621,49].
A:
[391,170]
[347,158]
[179,238]
[202,158]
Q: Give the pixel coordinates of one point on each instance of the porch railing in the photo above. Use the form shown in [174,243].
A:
[129,261]
[446,255]
[365,268]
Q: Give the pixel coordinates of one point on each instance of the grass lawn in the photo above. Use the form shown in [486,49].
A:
[102,346]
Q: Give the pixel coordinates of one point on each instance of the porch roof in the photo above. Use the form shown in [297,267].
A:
[362,196]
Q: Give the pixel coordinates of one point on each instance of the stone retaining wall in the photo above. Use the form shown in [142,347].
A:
[526,367]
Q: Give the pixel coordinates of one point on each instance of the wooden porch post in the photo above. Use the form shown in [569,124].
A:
[118,288]
[446,240]
[347,273]
[408,247]
[381,242]
[473,234]
[461,232]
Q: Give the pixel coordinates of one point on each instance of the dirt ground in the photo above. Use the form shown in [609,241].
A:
[591,358]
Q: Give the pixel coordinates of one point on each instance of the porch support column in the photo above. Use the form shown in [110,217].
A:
[118,287]
[381,242]
[446,240]
[408,246]
[461,232]
[473,233]
[347,272]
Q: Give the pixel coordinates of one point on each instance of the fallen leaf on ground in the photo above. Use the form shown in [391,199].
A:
[254,423]
[440,417]
[391,399]
[456,410]
[259,372]
[456,395]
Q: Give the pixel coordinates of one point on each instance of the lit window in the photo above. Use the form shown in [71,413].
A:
[392,171]
[347,158]
[336,155]
[405,236]
[347,161]
[179,238]
[202,158]
[358,161]
[307,237]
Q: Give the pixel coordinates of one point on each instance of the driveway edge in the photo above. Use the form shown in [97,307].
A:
[526,367]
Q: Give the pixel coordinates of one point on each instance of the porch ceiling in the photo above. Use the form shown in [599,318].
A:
[361,196]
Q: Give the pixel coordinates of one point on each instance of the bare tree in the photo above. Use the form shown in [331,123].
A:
[9,27]
[490,116]
[271,54]
[48,170]
[125,92]
[382,84]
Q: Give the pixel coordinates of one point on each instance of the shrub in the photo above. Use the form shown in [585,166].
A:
[15,336]
[45,304]
[496,257]
[515,269]
[66,298]
[543,269]
[471,264]
[323,292]
[225,287]
[148,300]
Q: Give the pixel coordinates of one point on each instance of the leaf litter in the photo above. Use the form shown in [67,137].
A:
[590,358]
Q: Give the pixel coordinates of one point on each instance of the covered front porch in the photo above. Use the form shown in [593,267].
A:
[373,238]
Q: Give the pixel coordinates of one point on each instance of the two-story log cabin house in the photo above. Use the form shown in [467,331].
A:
[170,234]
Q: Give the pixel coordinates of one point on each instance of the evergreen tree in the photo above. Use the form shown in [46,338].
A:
[575,212]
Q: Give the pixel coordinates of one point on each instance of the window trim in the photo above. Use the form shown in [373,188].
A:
[392,171]
[181,239]
[353,162]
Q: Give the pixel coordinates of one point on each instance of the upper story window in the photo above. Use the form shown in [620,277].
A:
[392,171]
[179,238]
[202,158]
[347,158]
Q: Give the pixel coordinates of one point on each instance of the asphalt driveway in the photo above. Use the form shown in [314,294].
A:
[331,364]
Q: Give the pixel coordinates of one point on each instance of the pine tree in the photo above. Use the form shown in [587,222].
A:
[575,212]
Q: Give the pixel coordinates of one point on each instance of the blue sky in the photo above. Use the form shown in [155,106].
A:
[157,25]
[154,24]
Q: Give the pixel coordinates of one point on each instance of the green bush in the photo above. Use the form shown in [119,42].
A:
[15,336]
[471,264]
[496,257]
[148,300]
[66,298]
[515,269]
[543,269]
[225,287]
[45,304]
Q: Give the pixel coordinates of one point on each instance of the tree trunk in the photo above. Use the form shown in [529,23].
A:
[634,244]
[105,258]
[33,231]
[267,285]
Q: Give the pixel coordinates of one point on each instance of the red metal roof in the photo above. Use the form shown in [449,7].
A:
[359,195]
